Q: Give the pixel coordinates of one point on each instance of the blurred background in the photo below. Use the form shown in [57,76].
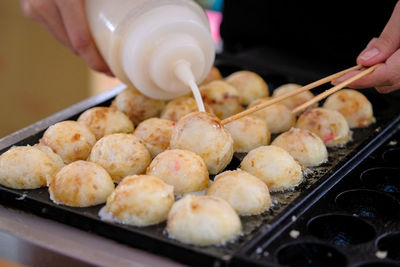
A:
[39,77]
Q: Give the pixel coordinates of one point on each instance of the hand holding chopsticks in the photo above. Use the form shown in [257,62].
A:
[333,89]
[306,88]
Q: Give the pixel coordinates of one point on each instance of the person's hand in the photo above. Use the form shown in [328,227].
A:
[66,21]
[386,49]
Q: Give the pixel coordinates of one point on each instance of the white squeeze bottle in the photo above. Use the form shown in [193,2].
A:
[161,47]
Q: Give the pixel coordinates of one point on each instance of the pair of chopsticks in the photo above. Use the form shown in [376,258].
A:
[306,88]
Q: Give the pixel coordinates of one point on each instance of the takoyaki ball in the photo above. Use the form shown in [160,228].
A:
[353,105]
[26,167]
[50,153]
[203,221]
[70,140]
[213,75]
[81,184]
[247,194]
[104,120]
[203,134]
[296,100]
[155,134]
[248,132]
[182,169]
[303,145]
[278,117]
[139,200]
[138,107]
[222,98]
[249,85]
[121,155]
[274,166]
[328,124]
[181,106]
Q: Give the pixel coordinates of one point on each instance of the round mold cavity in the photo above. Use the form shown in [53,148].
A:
[377,264]
[382,179]
[310,254]
[341,230]
[392,155]
[368,203]
[390,242]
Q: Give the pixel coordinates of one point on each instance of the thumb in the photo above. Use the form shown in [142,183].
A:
[379,49]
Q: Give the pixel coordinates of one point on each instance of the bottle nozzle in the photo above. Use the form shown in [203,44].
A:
[184,73]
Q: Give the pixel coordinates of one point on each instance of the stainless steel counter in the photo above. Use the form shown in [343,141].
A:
[34,241]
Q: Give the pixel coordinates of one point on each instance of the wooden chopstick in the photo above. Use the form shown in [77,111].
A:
[333,89]
[288,94]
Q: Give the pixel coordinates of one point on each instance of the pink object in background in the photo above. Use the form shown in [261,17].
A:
[215,19]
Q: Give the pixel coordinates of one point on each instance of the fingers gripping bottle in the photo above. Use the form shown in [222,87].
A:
[161,47]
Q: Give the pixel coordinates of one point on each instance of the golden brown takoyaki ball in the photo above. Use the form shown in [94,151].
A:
[248,133]
[247,194]
[203,221]
[138,107]
[140,200]
[50,153]
[278,117]
[274,166]
[203,134]
[81,184]
[155,134]
[303,145]
[328,124]
[353,105]
[213,75]
[249,85]
[121,155]
[222,98]
[181,106]
[70,140]
[182,169]
[295,100]
[104,120]
[26,167]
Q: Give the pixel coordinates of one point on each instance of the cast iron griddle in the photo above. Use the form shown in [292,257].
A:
[266,226]
[356,222]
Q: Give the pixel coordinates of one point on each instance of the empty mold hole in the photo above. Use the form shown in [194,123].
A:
[341,230]
[391,244]
[310,254]
[392,155]
[382,179]
[368,203]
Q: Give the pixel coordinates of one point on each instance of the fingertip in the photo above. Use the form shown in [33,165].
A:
[387,89]
[383,90]
[106,70]
[100,67]
[97,63]
[109,73]
[335,82]
[345,77]
[369,57]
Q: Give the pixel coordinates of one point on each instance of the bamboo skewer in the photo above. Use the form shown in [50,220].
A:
[333,90]
[289,94]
